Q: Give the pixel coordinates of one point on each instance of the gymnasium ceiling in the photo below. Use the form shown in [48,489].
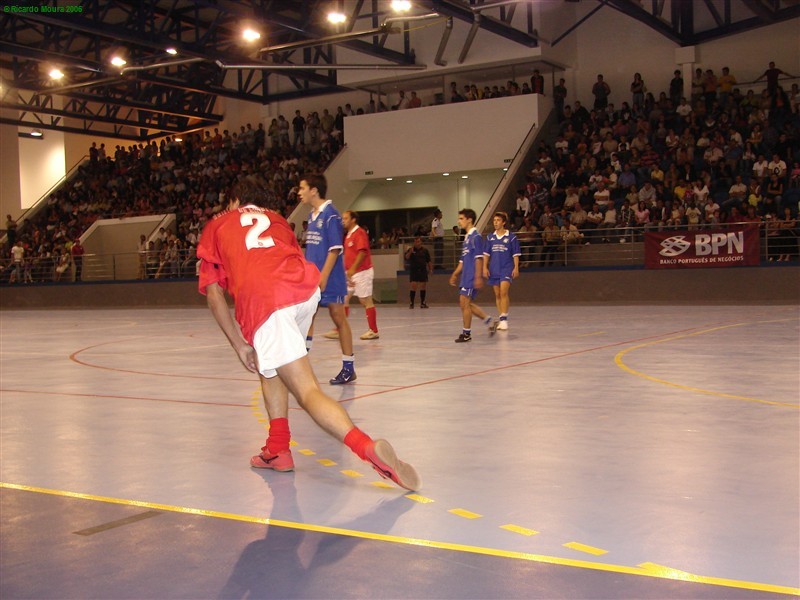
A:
[156,93]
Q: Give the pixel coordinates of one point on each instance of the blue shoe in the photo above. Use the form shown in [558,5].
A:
[344,376]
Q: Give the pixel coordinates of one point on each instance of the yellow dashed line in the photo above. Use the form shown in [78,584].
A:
[420,499]
[326,462]
[307,452]
[464,513]
[717,581]
[293,443]
[262,420]
[382,484]
[585,548]
[350,473]
[518,529]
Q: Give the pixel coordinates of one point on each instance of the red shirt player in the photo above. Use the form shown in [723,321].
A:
[359,271]
[252,253]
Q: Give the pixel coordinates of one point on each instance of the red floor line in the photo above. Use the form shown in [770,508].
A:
[124,397]
[522,364]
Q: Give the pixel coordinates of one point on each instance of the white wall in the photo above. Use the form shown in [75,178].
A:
[465,136]
[9,174]
[41,165]
[450,194]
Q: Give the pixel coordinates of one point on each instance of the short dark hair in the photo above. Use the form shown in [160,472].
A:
[247,192]
[502,215]
[353,215]
[469,214]
[315,180]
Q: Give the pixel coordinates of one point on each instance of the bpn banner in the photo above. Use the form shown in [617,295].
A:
[732,247]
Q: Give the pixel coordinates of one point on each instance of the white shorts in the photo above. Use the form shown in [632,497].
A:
[282,338]
[360,284]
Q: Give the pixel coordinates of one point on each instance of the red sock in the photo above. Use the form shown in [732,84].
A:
[279,435]
[357,441]
[347,311]
[372,319]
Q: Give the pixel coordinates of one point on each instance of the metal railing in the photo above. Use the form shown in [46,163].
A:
[597,248]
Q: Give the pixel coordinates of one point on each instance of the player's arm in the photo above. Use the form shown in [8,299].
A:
[362,254]
[215,296]
[428,262]
[515,272]
[479,272]
[327,268]
[485,265]
[456,273]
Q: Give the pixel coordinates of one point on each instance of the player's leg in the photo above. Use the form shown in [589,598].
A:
[331,417]
[275,454]
[497,300]
[464,301]
[487,320]
[412,293]
[503,304]
[348,372]
[372,317]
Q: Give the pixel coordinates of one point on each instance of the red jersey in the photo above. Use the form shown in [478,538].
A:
[354,242]
[253,254]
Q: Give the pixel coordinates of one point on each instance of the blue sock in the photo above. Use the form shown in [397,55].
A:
[309,342]
[504,317]
[466,331]
[487,320]
[348,362]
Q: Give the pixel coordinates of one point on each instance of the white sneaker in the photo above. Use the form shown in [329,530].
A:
[333,334]
[502,326]
[370,335]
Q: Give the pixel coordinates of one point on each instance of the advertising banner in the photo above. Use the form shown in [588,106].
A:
[732,247]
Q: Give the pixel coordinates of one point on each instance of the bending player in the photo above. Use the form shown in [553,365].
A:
[251,253]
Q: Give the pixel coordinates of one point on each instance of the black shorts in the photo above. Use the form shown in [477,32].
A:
[418,276]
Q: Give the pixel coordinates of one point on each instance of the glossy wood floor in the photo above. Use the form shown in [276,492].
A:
[588,452]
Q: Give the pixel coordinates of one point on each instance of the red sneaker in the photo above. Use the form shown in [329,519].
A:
[281,461]
[384,460]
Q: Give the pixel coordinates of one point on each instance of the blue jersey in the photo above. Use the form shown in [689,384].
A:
[325,233]
[471,250]
[501,251]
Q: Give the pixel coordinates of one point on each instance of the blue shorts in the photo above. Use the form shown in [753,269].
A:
[468,292]
[330,298]
[496,279]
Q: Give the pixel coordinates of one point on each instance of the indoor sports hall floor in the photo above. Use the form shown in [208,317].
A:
[588,452]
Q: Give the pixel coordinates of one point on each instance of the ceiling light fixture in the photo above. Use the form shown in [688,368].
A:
[37,133]
[445,174]
[171,51]
[250,35]
[409,181]
[336,17]
[118,61]
[464,177]
[401,5]
[389,178]
[56,73]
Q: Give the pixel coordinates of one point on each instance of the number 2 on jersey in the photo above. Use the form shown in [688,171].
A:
[259,223]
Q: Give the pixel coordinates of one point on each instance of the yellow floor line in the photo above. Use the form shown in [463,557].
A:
[460,512]
[621,364]
[350,473]
[518,529]
[420,499]
[749,585]
[326,462]
[584,548]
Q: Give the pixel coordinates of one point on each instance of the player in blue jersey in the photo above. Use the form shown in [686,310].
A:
[501,264]
[324,246]
[470,268]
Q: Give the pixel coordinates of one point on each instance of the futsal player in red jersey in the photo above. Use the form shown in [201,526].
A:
[251,253]
[359,271]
